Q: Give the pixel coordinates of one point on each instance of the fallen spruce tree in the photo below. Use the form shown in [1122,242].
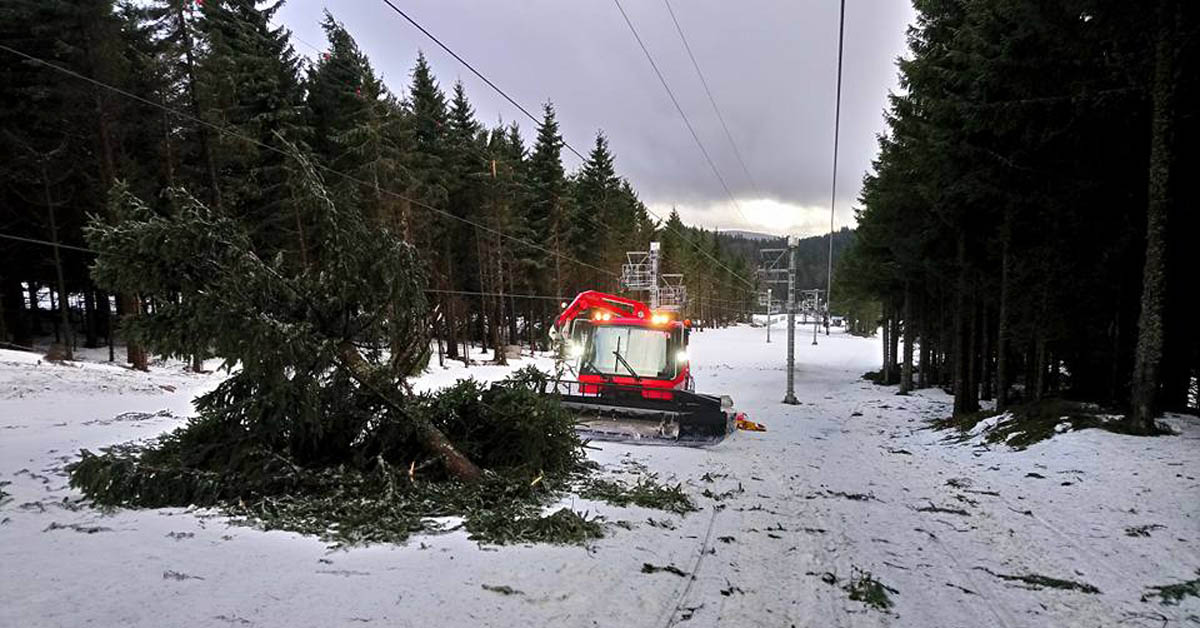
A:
[316,429]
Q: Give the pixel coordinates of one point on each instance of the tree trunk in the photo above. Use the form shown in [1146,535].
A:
[514,336]
[499,355]
[35,311]
[1040,359]
[894,350]
[1114,378]
[1002,332]
[197,109]
[451,328]
[134,353]
[1052,372]
[972,356]
[945,344]
[1148,359]
[16,320]
[906,373]
[926,345]
[883,368]
[985,354]
[433,440]
[63,300]
[57,323]
[437,335]
[91,337]
[962,357]
[107,318]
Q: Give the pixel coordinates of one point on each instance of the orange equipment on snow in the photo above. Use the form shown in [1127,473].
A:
[747,425]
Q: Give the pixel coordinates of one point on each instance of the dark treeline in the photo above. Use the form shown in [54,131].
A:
[1029,223]
[217,100]
[812,254]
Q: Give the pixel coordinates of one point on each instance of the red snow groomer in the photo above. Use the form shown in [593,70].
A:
[633,379]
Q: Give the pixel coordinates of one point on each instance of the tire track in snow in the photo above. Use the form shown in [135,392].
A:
[695,573]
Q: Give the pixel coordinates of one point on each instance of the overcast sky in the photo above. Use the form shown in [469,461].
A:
[771,64]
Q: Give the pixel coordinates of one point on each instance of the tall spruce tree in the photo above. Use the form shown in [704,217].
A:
[358,128]
[251,76]
[596,192]
[547,206]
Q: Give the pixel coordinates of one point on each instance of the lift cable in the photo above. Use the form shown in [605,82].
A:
[280,151]
[489,83]
[547,297]
[729,136]
[837,119]
[675,101]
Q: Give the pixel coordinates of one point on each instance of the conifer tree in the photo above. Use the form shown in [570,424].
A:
[359,128]
[431,162]
[547,206]
[596,199]
[250,75]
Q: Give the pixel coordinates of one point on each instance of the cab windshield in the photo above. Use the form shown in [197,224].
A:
[644,350]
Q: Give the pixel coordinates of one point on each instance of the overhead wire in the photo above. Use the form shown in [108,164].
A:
[687,122]
[596,221]
[567,145]
[506,295]
[837,119]
[475,72]
[721,118]
[280,151]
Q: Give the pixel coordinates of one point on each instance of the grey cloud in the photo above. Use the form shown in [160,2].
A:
[771,66]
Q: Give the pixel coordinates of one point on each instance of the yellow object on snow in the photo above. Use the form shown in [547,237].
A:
[750,426]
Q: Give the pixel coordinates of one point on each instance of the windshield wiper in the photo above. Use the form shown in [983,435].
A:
[625,364]
[591,366]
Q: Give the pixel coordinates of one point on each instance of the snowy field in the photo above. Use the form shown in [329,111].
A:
[848,480]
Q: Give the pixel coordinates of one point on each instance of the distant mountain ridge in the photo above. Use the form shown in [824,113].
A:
[812,253]
[750,235]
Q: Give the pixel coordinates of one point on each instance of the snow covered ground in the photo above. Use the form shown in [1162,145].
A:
[844,481]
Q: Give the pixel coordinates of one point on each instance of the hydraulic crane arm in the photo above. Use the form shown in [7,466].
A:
[618,306]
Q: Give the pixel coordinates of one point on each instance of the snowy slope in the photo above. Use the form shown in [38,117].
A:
[835,484]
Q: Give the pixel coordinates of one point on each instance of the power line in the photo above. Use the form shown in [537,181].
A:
[475,72]
[470,149]
[280,151]
[589,217]
[837,120]
[678,108]
[489,83]
[729,136]
[37,241]
[547,297]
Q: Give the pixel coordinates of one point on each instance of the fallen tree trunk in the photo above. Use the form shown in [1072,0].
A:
[430,437]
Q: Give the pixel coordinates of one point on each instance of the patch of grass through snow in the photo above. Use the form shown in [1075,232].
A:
[1173,594]
[876,377]
[1143,530]
[502,589]
[865,588]
[649,568]
[950,511]
[1037,581]
[1026,424]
